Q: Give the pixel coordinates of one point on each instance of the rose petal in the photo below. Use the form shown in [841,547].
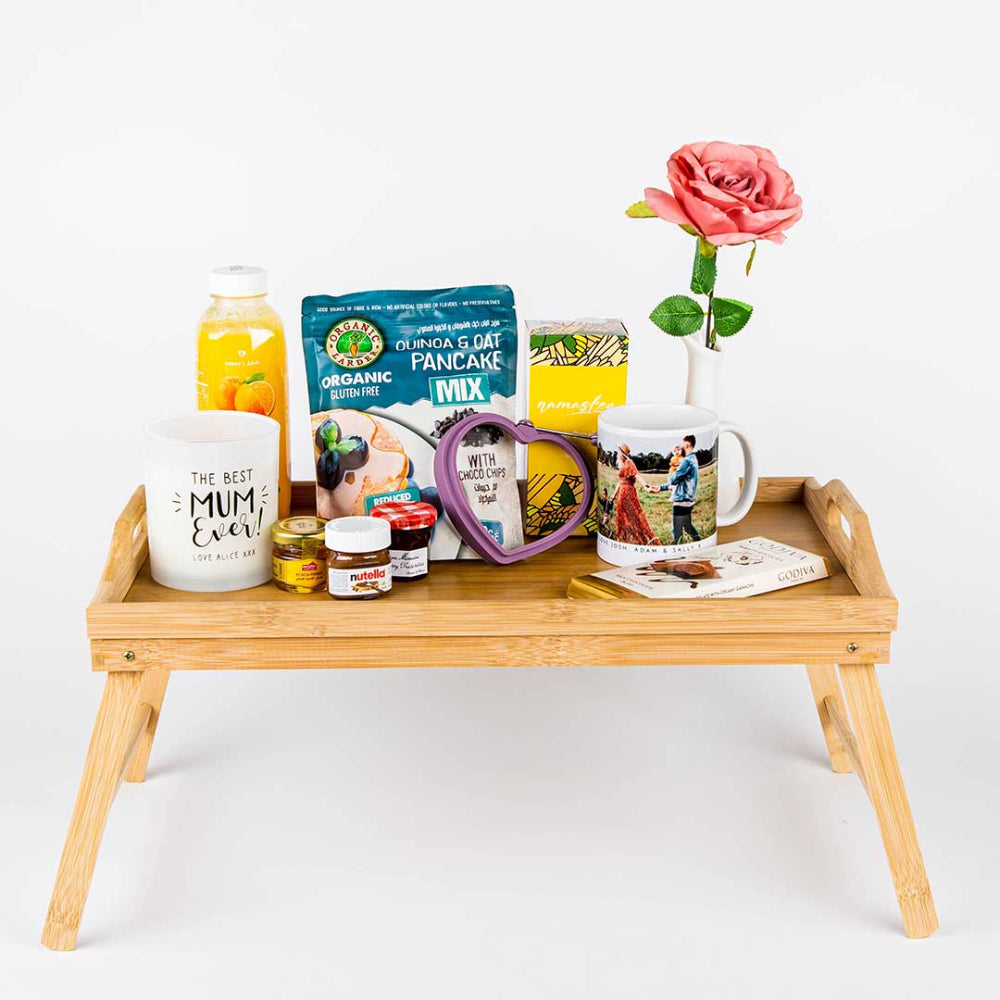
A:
[764,155]
[759,223]
[723,171]
[731,239]
[666,207]
[704,217]
[779,184]
[717,196]
[686,163]
[728,199]
[727,151]
[741,239]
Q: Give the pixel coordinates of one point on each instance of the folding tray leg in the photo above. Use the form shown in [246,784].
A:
[825,684]
[122,719]
[154,687]
[884,784]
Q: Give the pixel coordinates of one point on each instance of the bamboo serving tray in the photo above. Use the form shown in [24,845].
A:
[469,613]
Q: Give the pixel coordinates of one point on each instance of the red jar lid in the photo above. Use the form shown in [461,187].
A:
[405,515]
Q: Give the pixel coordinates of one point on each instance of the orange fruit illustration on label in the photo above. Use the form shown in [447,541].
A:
[255,395]
[225,392]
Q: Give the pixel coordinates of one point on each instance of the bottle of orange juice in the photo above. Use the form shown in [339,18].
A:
[241,356]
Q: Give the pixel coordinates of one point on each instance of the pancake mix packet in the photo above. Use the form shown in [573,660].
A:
[389,372]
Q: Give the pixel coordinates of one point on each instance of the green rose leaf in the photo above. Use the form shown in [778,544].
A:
[730,316]
[678,315]
[703,272]
[640,210]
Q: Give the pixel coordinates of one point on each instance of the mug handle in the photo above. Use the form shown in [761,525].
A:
[747,495]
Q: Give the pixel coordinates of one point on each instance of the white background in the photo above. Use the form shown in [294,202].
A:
[464,833]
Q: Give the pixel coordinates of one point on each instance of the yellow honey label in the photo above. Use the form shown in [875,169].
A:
[299,572]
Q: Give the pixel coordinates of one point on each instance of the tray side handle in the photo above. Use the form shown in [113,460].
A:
[831,506]
[129,548]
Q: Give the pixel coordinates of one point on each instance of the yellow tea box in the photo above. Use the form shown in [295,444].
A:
[576,370]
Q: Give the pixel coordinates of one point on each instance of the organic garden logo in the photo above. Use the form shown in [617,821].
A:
[354,342]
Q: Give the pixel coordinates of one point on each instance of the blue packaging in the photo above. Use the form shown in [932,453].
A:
[388,373]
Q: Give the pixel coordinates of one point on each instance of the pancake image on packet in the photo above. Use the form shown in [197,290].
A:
[389,372]
[375,464]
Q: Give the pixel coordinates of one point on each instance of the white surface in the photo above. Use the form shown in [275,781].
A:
[594,833]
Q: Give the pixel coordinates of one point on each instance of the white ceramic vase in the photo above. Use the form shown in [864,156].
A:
[704,372]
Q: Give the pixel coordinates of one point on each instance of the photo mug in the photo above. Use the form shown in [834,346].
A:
[657,472]
[211,498]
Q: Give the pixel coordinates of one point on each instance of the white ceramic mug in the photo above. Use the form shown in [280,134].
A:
[211,498]
[657,466]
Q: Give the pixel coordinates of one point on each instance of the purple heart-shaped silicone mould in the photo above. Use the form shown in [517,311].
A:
[456,504]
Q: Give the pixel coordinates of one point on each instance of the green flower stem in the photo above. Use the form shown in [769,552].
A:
[709,338]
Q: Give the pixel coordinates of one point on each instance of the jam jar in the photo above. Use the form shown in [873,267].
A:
[298,556]
[409,544]
[358,565]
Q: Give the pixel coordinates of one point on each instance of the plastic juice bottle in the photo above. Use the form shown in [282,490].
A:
[241,356]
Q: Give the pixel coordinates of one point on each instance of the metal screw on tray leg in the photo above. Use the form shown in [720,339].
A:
[852,647]
[129,655]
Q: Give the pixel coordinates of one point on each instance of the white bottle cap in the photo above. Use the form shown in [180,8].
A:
[358,534]
[238,281]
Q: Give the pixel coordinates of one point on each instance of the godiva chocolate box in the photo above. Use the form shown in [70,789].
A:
[576,370]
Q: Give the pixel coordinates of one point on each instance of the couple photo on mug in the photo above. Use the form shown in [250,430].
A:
[681,481]
[657,480]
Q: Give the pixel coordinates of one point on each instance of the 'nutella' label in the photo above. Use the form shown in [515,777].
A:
[361,581]
[407,563]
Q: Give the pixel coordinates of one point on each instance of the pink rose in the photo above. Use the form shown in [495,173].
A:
[727,193]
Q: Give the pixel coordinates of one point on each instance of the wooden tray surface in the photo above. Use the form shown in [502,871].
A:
[471,598]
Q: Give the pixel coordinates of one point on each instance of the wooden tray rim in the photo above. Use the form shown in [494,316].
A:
[872,609]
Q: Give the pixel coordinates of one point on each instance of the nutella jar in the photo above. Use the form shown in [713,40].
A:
[409,545]
[358,563]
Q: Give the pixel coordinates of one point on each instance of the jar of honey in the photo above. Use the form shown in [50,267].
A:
[299,555]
